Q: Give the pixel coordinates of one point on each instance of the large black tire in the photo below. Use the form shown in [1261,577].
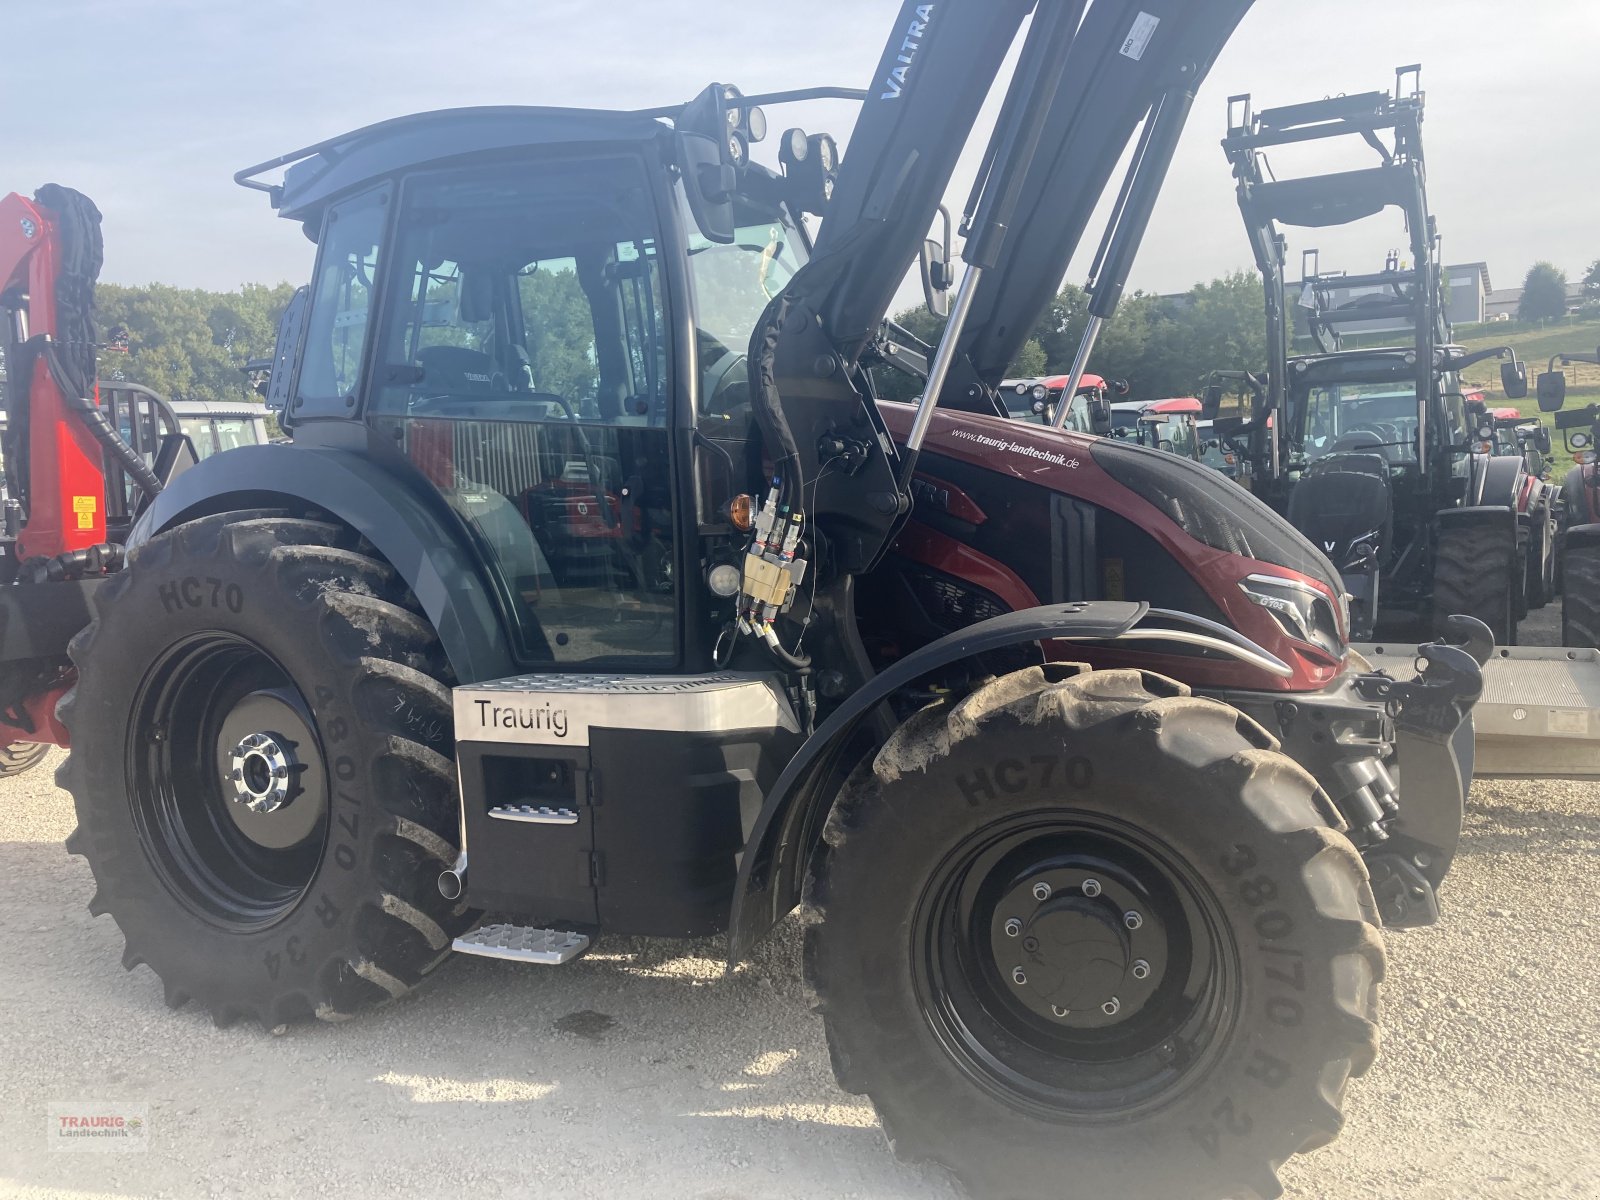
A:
[1580,599]
[218,630]
[1476,571]
[965,1068]
[1574,510]
[21,756]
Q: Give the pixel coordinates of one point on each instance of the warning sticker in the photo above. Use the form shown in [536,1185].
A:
[1567,720]
[1144,28]
[85,507]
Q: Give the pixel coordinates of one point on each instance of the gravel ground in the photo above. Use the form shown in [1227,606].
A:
[642,1071]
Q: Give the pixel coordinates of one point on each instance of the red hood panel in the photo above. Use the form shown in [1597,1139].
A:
[1060,461]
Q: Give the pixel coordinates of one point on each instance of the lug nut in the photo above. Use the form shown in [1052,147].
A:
[1091,887]
[1060,1013]
[1111,1007]
[1013,927]
[1132,919]
[1041,891]
[1019,976]
[1141,969]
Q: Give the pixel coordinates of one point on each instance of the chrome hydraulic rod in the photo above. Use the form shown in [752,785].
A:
[1080,364]
[943,357]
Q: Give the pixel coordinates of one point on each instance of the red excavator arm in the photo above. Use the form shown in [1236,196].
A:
[54,546]
[54,465]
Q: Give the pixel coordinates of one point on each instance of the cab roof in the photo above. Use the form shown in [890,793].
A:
[315,174]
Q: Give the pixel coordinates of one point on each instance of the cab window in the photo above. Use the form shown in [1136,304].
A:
[524,368]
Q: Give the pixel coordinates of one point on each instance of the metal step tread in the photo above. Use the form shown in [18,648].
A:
[523,943]
[528,813]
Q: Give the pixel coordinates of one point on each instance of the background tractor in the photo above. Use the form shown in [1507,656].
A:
[1369,452]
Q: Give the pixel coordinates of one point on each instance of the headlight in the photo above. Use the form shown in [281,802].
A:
[1040,391]
[1304,612]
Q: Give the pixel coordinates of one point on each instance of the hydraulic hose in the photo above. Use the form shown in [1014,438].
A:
[101,429]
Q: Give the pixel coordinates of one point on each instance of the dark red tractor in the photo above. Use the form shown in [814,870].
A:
[597,590]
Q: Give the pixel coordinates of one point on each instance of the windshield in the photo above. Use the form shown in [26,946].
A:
[733,285]
[212,435]
[1358,416]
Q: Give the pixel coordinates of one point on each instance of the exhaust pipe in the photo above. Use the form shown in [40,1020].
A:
[453,883]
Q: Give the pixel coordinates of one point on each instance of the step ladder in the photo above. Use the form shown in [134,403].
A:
[523,943]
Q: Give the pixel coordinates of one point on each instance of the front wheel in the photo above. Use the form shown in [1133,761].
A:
[1580,599]
[1477,571]
[1094,935]
[260,765]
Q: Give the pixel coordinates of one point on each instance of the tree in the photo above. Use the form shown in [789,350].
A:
[1591,283]
[188,343]
[1544,294]
[1030,361]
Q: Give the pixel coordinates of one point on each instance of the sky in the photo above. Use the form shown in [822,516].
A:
[150,106]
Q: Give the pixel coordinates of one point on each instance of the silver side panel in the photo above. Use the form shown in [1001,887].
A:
[560,710]
[1540,711]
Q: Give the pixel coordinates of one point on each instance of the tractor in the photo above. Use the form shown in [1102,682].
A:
[1369,451]
[597,591]
[1577,551]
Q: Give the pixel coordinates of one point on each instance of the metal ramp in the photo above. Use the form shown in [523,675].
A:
[1540,712]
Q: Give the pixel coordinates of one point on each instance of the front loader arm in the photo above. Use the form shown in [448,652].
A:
[1086,75]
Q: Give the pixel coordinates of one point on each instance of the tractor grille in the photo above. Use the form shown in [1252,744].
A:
[951,604]
[479,456]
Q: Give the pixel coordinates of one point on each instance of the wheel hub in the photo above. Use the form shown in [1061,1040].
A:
[260,771]
[1079,946]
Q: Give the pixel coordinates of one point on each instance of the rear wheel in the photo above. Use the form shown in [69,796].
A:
[1096,932]
[21,756]
[1476,571]
[261,736]
[1580,599]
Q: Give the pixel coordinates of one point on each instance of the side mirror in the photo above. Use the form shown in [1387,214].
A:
[1100,415]
[286,351]
[709,182]
[1552,391]
[936,278]
[1541,441]
[1211,402]
[937,275]
[1514,379]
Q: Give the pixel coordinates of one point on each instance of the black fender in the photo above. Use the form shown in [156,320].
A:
[1502,481]
[404,519]
[789,826]
[1501,515]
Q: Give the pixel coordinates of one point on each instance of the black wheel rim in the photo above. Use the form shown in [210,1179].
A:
[1111,1014]
[227,781]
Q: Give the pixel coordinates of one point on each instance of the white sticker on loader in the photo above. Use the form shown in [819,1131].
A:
[1567,720]
[1144,27]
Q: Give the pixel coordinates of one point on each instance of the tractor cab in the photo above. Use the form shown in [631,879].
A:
[533,310]
[1037,400]
[1168,425]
